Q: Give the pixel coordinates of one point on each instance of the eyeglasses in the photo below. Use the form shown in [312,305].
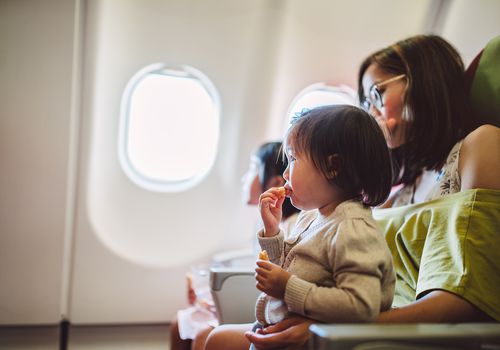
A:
[374,97]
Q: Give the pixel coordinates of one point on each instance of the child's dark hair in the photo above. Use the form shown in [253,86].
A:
[272,164]
[355,138]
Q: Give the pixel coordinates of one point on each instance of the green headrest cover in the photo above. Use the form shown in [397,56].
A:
[485,90]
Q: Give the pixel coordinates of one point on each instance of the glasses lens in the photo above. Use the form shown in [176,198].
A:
[366,104]
[376,97]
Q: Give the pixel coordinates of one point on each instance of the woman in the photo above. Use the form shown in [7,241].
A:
[416,91]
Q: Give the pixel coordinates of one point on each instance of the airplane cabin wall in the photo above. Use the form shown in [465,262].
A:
[469,25]
[133,246]
[36,68]
[77,238]
[325,41]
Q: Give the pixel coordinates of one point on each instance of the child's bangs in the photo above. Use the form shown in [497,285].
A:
[298,138]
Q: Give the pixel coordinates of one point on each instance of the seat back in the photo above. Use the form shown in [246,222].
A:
[483,77]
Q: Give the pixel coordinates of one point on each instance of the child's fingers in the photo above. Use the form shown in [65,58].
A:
[264,264]
[259,277]
[259,331]
[275,193]
[260,271]
[279,202]
[268,194]
[280,192]
[260,287]
[267,202]
[261,280]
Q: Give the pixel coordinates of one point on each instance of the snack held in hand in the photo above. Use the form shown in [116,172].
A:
[282,192]
[263,255]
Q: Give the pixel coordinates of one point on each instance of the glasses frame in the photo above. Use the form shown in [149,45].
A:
[374,97]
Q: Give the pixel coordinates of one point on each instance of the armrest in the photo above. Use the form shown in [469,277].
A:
[234,294]
[406,336]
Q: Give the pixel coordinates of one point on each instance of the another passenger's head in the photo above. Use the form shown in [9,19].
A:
[265,171]
[336,151]
[416,90]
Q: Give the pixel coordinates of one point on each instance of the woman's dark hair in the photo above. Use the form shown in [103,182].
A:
[353,138]
[272,164]
[436,102]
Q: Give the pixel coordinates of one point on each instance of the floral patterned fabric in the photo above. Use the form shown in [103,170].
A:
[447,181]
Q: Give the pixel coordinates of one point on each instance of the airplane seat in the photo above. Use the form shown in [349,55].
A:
[232,285]
[483,82]
[460,336]
[234,294]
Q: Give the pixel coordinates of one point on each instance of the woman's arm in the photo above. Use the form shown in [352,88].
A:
[479,164]
[436,307]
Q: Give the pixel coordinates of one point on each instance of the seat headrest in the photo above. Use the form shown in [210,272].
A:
[483,75]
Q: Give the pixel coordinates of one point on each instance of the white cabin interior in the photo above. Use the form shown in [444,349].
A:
[79,240]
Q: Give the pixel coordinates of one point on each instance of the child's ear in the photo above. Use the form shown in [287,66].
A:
[276,181]
[333,166]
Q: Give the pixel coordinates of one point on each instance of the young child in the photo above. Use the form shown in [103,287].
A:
[335,265]
[265,170]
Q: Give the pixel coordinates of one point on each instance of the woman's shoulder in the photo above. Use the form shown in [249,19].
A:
[479,163]
[485,132]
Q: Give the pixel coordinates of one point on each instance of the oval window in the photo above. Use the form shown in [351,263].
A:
[321,94]
[169,128]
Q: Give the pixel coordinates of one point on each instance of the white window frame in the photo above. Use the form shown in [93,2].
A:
[127,166]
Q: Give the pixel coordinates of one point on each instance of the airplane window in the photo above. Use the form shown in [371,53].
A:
[321,94]
[169,128]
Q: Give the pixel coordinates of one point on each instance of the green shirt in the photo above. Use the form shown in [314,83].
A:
[451,243]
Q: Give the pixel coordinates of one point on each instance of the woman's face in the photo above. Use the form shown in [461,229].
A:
[389,116]
[251,187]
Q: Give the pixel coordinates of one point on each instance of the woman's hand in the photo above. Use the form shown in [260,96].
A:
[271,279]
[293,331]
[270,203]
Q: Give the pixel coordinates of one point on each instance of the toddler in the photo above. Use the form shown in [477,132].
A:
[334,266]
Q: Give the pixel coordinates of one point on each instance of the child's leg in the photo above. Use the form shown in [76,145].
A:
[229,337]
[176,343]
[200,339]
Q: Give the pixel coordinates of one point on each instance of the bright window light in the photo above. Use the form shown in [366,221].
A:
[321,94]
[169,128]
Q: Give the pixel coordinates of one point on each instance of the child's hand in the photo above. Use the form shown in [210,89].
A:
[191,294]
[270,203]
[271,279]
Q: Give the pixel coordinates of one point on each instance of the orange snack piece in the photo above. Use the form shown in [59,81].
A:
[263,255]
[282,192]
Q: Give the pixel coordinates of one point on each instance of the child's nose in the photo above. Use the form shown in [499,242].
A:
[285,173]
